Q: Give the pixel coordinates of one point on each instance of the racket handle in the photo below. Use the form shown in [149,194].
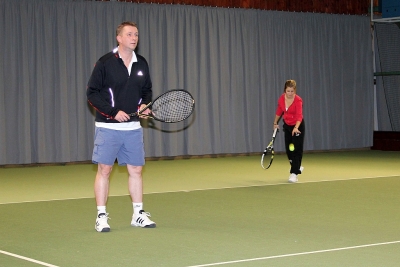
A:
[139,112]
[275,131]
[133,114]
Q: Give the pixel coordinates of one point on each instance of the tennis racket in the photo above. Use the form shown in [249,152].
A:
[269,151]
[172,106]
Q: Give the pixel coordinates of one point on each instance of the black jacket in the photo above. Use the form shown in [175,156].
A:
[111,88]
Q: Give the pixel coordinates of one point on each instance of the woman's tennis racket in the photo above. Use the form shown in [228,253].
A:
[172,106]
[269,151]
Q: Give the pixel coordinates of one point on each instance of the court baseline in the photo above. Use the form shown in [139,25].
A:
[296,254]
[205,189]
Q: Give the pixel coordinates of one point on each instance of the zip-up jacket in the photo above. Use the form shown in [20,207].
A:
[293,113]
[111,88]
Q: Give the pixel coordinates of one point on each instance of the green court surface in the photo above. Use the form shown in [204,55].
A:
[223,211]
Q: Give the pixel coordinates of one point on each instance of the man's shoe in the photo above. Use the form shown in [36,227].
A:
[101,223]
[292,178]
[142,220]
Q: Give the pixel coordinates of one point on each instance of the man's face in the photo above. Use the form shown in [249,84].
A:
[128,38]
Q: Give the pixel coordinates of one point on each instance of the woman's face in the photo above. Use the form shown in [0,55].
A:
[290,92]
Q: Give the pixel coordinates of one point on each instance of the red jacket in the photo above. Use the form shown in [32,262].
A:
[294,112]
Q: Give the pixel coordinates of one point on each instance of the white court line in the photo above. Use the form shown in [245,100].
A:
[205,189]
[284,183]
[27,259]
[294,254]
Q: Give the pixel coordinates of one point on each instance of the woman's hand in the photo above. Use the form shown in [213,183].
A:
[296,131]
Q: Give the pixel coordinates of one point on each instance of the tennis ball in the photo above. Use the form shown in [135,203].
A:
[291,147]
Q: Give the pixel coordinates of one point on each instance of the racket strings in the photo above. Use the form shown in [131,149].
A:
[174,106]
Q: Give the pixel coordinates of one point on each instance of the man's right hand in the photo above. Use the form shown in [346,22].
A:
[122,116]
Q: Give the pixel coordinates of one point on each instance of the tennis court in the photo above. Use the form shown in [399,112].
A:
[217,211]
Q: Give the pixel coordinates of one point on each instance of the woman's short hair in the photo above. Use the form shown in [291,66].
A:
[290,83]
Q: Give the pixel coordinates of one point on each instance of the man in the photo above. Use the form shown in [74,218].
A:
[120,84]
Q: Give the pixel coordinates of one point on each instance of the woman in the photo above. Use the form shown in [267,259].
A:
[290,106]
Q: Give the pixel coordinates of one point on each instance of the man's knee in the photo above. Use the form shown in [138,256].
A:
[104,170]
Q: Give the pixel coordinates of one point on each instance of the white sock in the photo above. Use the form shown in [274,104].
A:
[101,209]
[137,207]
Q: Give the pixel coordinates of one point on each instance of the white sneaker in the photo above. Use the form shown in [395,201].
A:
[101,223]
[142,220]
[292,178]
[301,169]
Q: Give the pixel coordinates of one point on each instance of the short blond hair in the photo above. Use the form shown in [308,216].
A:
[123,24]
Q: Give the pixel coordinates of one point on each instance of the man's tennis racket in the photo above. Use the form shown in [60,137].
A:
[269,151]
[172,106]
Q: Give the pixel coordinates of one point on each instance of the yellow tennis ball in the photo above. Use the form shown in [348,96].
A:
[291,147]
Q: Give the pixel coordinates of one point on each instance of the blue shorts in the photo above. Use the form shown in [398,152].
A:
[125,146]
